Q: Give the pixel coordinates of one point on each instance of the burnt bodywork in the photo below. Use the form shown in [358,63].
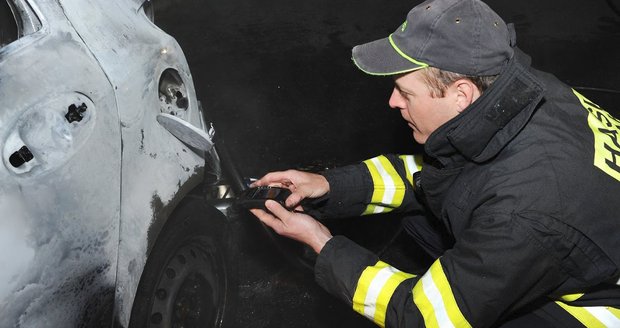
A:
[88,176]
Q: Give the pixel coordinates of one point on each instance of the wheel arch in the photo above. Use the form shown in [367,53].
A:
[177,213]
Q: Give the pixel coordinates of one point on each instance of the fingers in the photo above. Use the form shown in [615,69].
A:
[279,178]
[267,218]
[300,227]
[278,216]
[301,184]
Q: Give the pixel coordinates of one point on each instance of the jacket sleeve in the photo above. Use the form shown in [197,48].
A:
[377,185]
[495,268]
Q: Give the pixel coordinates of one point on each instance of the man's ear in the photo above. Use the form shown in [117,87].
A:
[466,93]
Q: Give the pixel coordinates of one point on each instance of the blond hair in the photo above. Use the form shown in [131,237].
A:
[439,80]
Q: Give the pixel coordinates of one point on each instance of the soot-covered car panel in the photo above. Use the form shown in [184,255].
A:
[88,177]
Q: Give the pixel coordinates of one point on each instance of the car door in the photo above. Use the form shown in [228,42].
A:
[60,174]
[150,76]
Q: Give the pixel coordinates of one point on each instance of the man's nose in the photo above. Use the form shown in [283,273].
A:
[396,100]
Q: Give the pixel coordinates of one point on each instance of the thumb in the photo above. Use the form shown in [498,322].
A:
[294,199]
[276,209]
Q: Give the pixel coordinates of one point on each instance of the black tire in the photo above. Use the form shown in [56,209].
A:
[187,278]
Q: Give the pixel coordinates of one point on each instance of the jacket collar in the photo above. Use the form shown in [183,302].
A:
[496,117]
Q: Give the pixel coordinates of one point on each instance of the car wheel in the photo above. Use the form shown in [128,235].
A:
[186,281]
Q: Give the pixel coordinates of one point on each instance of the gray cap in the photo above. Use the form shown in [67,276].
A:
[461,36]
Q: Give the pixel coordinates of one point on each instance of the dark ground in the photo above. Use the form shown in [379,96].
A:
[276,78]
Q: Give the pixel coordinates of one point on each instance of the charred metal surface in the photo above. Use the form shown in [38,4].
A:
[162,211]
[75,99]
[54,225]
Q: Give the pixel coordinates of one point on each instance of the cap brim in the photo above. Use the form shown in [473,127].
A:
[380,57]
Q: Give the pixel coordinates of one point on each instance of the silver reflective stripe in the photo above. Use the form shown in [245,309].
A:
[434,296]
[390,186]
[375,288]
[604,316]
[411,165]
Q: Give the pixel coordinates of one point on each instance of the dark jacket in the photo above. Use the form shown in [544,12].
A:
[527,180]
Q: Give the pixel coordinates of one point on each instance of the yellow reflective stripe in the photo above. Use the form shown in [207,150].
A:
[398,183]
[441,281]
[386,294]
[418,161]
[408,171]
[434,298]
[594,316]
[377,193]
[389,188]
[582,315]
[411,166]
[571,297]
[374,290]
[424,305]
[366,278]
[417,62]
[371,209]
[604,315]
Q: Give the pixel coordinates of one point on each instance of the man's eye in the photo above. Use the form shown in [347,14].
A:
[404,93]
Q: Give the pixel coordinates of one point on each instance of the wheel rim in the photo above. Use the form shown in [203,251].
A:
[190,290]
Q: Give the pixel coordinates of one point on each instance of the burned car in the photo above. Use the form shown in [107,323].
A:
[96,202]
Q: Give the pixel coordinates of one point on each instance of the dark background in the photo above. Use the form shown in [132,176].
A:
[277,80]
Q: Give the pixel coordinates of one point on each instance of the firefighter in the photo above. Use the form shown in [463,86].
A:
[520,184]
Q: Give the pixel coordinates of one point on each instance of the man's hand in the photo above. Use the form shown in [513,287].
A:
[301,184]
[298,226]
